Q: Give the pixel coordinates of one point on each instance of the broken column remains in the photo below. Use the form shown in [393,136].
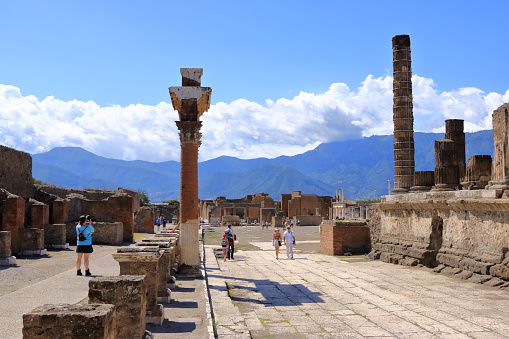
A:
[129,295]
[423,181]
[500,169]
[404,163]
[478,172]
[6,258]
[143,261]
[450,157]
[93,321]
[191,101]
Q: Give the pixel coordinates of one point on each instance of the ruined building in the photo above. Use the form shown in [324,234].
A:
[454,218]
[34,218]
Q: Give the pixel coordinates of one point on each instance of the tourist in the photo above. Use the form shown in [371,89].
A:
[276,241]
[230,235]
[84,232]
[289,239]
[224,245]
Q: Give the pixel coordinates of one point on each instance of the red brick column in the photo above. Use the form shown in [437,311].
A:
[13,218]
[189,172]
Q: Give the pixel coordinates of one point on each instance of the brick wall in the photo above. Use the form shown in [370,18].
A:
[338,237]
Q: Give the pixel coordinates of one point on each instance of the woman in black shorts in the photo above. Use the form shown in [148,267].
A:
[84,232]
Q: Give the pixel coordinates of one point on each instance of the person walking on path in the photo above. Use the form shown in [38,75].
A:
[289,239]
[84,232]
[276,241]
[230,235]
[224,246]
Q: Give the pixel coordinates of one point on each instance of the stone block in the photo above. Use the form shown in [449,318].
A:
[479,279]
[5,244]
[31,241]
[475,266]
[128,293]
[450,260]
[64,321]
[500,270]
[139,260]
[54,236]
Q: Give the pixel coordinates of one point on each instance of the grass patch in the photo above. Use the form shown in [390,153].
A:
[229,286]
[264,321]
[212,238]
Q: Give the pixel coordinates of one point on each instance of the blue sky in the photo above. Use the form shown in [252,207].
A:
[285,75]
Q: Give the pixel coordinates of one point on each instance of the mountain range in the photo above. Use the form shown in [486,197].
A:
[362,167]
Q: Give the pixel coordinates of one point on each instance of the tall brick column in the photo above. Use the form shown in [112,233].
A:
[191,101]
[403,117]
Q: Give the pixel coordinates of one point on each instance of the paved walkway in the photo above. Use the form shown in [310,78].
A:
[320,296]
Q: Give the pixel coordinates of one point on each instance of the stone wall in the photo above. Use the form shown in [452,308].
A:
[16,172]
[105,233]
[466,230]
[144,220]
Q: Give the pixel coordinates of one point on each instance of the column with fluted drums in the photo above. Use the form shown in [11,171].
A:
[191,101]
[403,117]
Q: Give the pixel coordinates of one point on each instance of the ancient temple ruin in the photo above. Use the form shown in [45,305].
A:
[454,218]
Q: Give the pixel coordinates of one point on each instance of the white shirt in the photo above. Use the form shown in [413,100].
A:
[288,237]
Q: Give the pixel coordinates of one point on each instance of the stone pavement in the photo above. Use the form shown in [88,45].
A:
[52,279]
[321,296]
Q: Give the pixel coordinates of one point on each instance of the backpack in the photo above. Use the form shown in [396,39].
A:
[223,242]
[228,233]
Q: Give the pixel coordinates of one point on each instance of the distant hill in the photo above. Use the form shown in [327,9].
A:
[362,167]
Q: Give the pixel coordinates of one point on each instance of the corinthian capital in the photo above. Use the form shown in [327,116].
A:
[189,131]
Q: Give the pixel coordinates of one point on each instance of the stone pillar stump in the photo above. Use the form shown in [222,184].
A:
[143,261]
[64,321]
[129,295]
[163,270]
[54,236]
[6,259]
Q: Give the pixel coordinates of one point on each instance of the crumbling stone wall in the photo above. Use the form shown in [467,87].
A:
[470,234]
[16,172]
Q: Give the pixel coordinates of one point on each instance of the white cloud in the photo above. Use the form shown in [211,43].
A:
[241,128]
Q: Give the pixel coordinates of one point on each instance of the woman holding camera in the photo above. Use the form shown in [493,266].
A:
[84,232]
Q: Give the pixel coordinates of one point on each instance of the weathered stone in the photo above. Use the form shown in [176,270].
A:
[494,282]
[16,172]
[404,163]
[105,233]
[64,321]
[480,279]
[143,261]
[500,171]
[55,236]
[450,270]
[478,172]
[128,293]
[465,275]
[500,270]
[31,241]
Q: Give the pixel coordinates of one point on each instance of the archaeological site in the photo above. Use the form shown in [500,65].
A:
[453,218]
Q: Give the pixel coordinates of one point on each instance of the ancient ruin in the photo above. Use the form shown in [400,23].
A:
[458,224]
[403,116]
[191,101]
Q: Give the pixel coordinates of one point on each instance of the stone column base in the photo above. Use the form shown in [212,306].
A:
[9,261]
[164,298]
[156,316]
[57,246]
[498,185]
[32,252]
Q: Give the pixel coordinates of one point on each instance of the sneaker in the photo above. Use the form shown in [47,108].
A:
[87,273]
[79,272]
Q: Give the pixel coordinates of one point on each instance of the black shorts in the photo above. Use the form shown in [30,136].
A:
[84,249]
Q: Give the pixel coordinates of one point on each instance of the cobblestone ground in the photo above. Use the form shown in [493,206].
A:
[321,296]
